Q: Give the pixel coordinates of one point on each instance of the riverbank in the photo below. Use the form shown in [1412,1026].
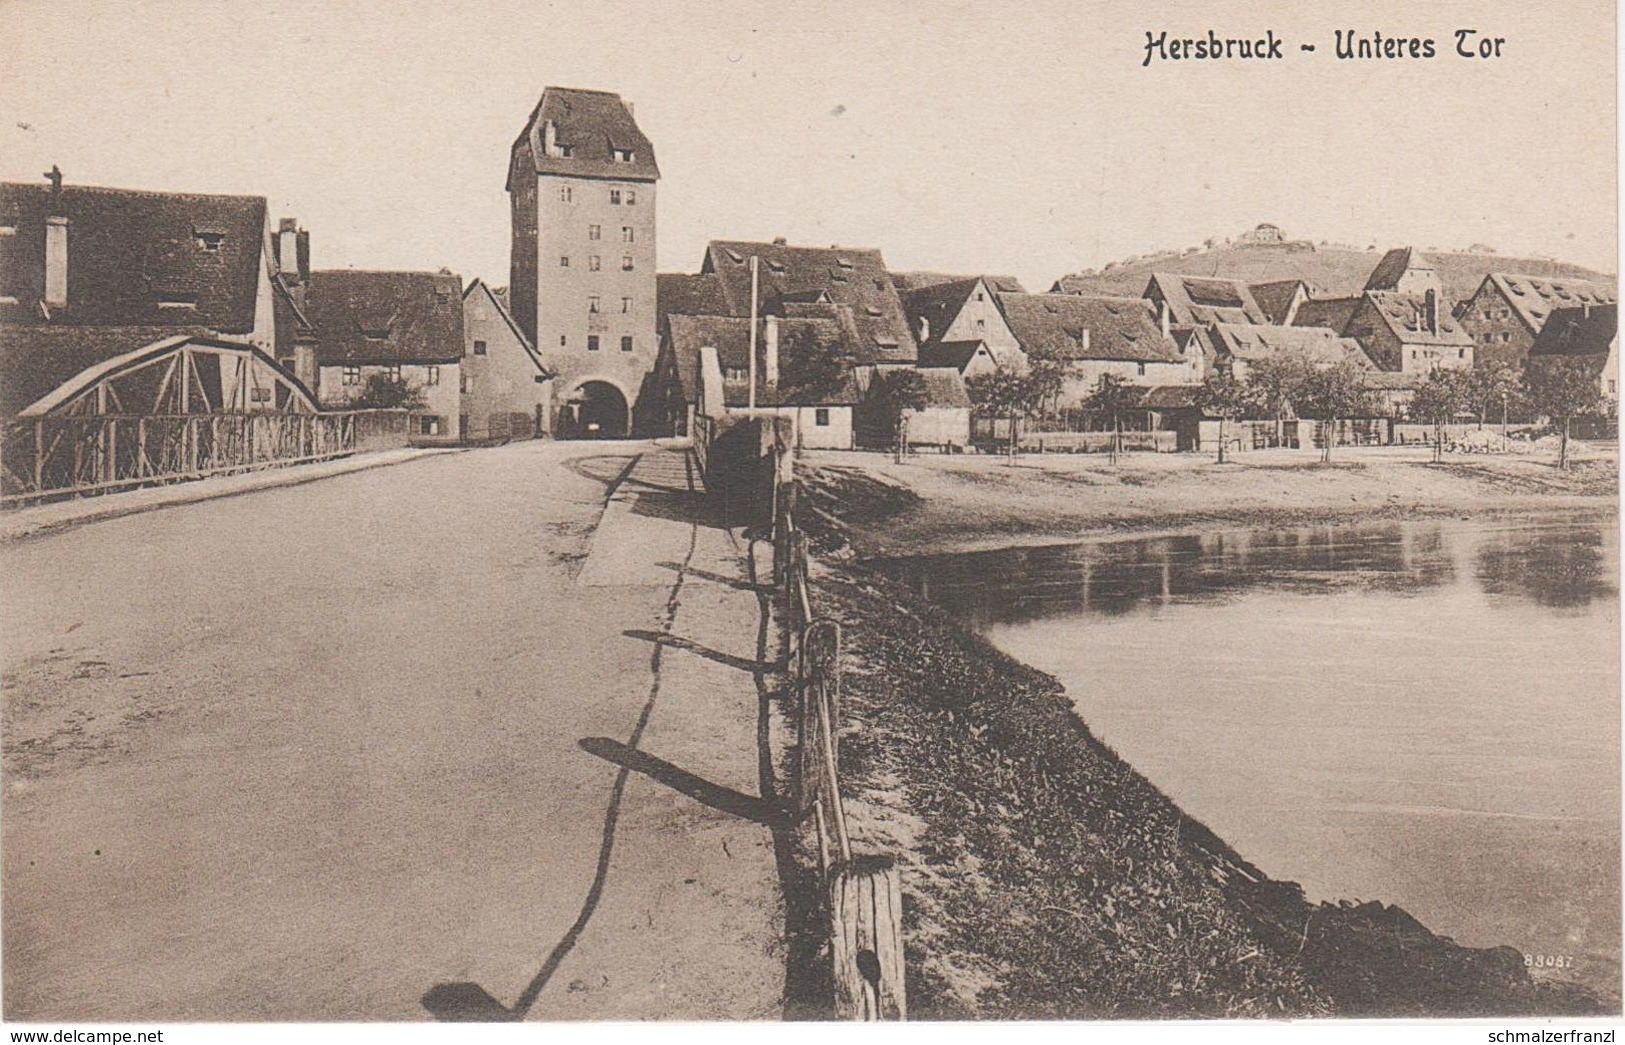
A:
[937,503]
[1046,877]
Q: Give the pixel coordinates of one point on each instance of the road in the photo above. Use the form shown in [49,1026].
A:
[354,750]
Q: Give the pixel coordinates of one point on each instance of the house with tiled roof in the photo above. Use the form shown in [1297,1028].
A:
[964,310]
[1508,311]
[90,274]
[505,387]
[1094,336]
[1242,345]
[850,280]
[1588,332]
[403,326]
[909,281]
[1280,299]
[822,416]
[581,183]
[1406,271]
[1199,301]
[966,358]
[1332,313]
[1408,333]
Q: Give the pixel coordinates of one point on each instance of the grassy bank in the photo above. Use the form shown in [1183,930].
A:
[1046,878]
[959,503]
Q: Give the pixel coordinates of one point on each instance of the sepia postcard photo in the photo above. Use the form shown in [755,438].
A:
[560,511]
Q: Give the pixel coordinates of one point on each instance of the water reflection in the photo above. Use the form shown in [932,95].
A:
[1117,578]
[1424,712]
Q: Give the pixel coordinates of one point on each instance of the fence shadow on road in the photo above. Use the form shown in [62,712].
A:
[676,642]
[714,796]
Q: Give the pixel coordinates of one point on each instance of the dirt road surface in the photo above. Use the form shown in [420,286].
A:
[364,749]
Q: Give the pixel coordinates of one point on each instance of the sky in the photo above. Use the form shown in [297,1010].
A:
[1023,139]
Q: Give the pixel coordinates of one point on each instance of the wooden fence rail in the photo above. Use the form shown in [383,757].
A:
[864,892]
[49,457]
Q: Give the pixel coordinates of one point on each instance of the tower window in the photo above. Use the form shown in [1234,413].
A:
[626,305]
[210,241]
[432,374]
[623,155]
[628,235]
[615,196]
[626,343]
[631,197]
[564,340]
[821,417]
[595,232]
[592,303]
[593,263]
[565,193]
[564,261]
[592,342]
[626,263]
[479,348]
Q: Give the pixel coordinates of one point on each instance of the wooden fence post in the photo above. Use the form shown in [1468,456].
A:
[866,932]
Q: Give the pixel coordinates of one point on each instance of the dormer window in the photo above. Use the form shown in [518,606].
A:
[843,262]
[631,197]
[623,155]
[776,266]
[615,196]
[837,275]
[561,151]
[210,241]
[177,301]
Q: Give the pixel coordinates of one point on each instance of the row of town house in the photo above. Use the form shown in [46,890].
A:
[586,339]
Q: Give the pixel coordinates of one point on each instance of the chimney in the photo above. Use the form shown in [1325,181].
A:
[1166,319]
[1430,312]
[549,137]
[56,245]
[1083,342]
[293,250]
[304,364]
[56,261]
[771,348]
[780,241]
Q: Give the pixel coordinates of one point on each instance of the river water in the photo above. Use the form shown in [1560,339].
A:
[1425,713]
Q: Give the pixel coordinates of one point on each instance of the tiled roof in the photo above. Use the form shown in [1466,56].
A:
[34,360]
[911,281]
[1536,298]
[1276,298]
[1250,342]
[1169,397]
[853,277]
[955,354]
[1394,264]
[593,126]
[384,318]
[1198,301]
[1053,326]
[730,336]
[680,293]
[1332,313]
[129,250]
[1582,331]
[1403,312]
[938,305]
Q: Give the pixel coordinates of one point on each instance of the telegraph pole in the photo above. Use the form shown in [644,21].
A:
[753,270]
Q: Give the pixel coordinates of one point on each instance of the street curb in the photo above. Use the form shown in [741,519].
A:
[280,480]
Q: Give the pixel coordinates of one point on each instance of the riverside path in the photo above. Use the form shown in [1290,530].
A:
[471,736]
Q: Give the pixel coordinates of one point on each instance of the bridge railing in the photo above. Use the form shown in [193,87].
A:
[47,457]
[863,891]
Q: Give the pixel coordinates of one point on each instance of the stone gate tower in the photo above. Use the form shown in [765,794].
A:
[581,181]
